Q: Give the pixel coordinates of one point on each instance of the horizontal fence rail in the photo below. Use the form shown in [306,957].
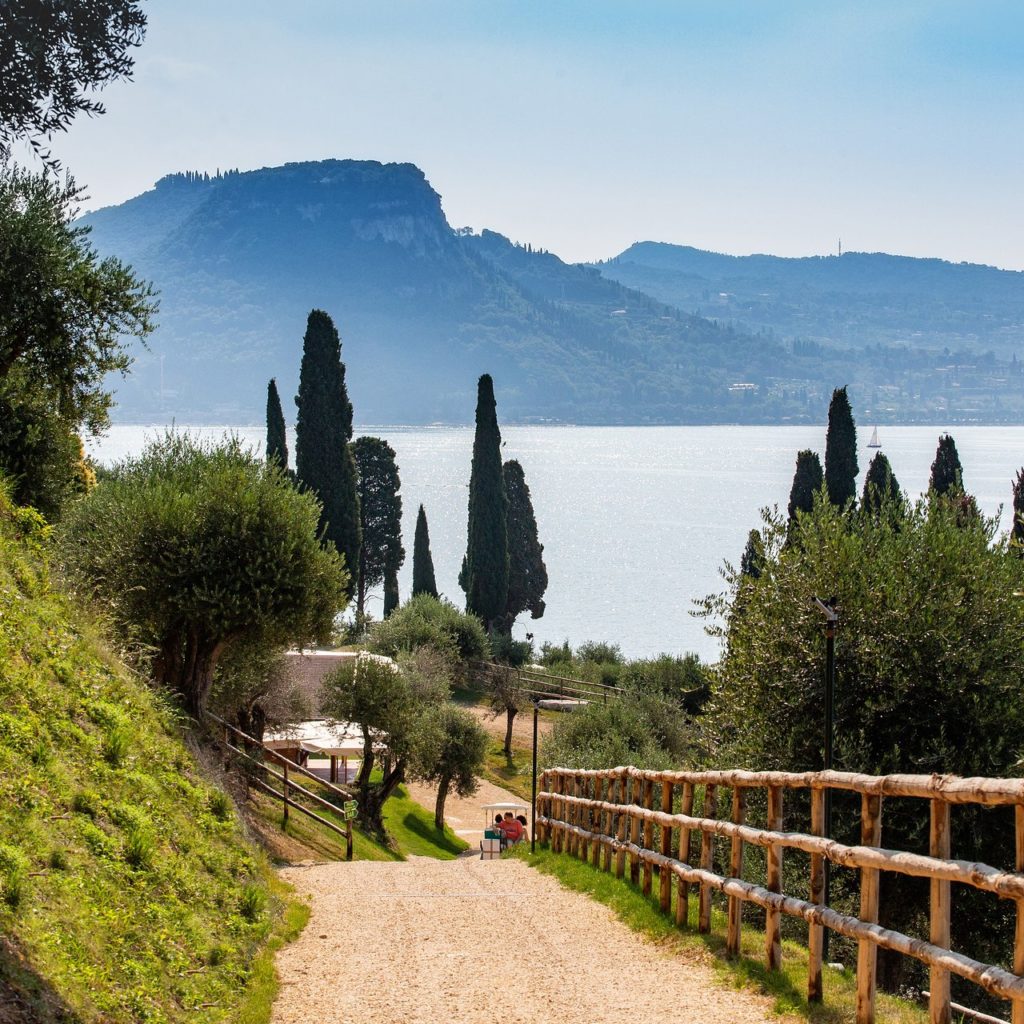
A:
[610,816]
[542,685]
[289,787]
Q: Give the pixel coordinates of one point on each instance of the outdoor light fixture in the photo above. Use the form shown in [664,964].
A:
[828,609]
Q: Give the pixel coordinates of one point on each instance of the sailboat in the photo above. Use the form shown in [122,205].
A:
[874,442]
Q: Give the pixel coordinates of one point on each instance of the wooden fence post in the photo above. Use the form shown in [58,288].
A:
[635,798]
[586,819]
[284,791]
[558,838]
[732,943]
[597,822]
[867,951]
[816,932]
[664,874]
[773,858]
[1018,940]
[938,981]
[648,840]
[683,888]
[620,830]
[707,860]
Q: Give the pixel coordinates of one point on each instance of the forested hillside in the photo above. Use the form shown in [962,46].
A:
[240,258]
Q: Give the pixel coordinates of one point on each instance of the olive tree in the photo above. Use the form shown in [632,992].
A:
[928,667]
[196,548]
[452,756]
[394,703]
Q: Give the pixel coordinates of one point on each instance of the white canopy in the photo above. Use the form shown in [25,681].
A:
[321,737]
[506,806]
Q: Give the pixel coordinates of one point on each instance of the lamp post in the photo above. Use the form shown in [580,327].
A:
[533,800]
[828,609]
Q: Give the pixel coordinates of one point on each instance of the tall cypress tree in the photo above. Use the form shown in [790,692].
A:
[527,574]
[752,560]
[841,451]
[423,581]
[807,481]
[381,554]
[323,430]
[391,596]
[484,575]
[1017,533]
[947,473]
[880,485]
[277,439]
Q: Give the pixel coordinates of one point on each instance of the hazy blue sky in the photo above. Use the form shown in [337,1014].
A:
[582,127]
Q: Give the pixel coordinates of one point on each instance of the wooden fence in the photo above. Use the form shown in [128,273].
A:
[542,685]
[611,815]
[247,747]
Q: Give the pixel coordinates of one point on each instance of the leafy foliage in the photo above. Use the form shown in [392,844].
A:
[881,487]
[277,438]
[527,574]
[423,581]
[644,728]
[484,575]
[381,554]
[194,548]
[323,430]
[425,621]
[52,54]
[64,332]
[117,877]
[841,451]
[453,755]
[807,481]
[947,473]
[929,634]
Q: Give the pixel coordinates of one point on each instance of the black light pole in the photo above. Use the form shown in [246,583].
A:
[828,609]
[533,800]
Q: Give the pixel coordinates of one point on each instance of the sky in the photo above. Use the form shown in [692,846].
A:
[581,128]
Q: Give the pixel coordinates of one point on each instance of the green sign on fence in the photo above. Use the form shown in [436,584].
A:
[350,807]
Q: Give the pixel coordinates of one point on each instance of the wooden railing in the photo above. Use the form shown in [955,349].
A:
[611,815]
[289,787]
[547,685]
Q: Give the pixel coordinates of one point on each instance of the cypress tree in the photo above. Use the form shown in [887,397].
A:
[423,581]
[391,595]
[753,556]
[323,430]
[841,451]
[277,439]
[807,481]
[880,484]
[1017,533]
[484,575]
[947,473]
[381,554]
[527,574]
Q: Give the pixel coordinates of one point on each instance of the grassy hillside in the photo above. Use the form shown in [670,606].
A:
[127,889]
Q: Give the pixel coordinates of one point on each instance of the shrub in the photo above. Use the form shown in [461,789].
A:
[139,848]
[253,903]
[425,621]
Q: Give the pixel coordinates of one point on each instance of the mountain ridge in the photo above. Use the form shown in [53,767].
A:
[423,309]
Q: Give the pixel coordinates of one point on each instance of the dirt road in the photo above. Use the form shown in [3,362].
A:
[471,942]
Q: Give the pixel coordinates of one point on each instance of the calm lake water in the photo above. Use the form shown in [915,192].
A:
[635,521]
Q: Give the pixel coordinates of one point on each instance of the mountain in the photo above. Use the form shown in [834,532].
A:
[423,309]
[857,299]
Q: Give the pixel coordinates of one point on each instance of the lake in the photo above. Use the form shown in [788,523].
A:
[635,521]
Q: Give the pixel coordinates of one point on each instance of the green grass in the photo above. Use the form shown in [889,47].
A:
[788,987]
[412,828]
[258,998]
[128,890]
[512,773]
[409,825]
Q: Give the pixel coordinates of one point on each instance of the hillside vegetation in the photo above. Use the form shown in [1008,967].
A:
[126,881]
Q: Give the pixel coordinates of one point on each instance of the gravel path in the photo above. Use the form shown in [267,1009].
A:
[465,814]
[471,941]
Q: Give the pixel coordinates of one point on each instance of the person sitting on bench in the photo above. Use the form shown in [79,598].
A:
[511,829]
